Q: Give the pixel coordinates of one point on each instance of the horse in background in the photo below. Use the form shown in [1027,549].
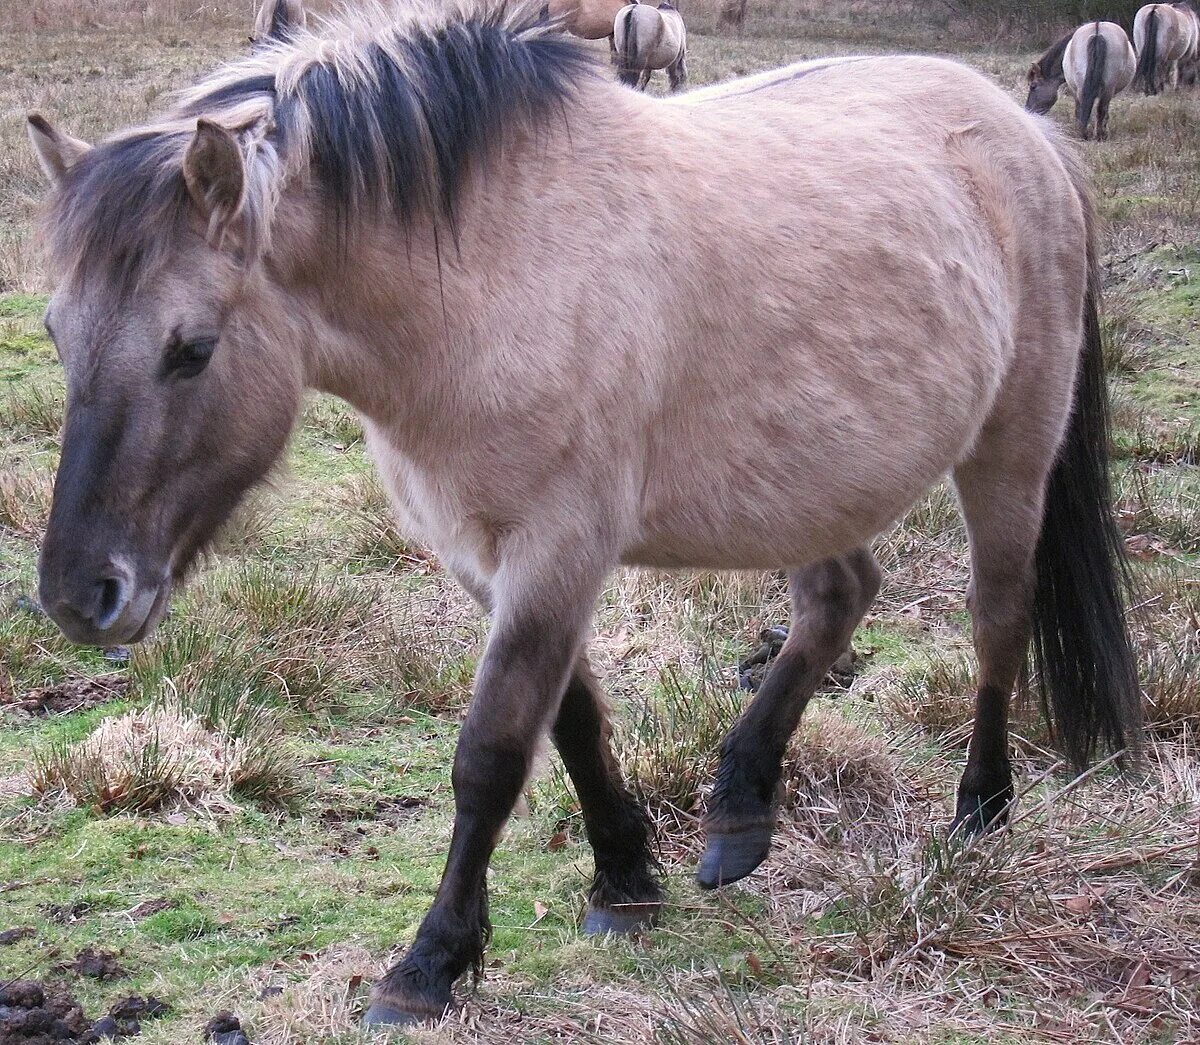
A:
[1099,63]
[1046,77]
[1162,35]
[649,38]
[1189,64]
[587,19]
[277,20]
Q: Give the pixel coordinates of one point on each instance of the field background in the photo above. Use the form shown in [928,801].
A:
[344,655]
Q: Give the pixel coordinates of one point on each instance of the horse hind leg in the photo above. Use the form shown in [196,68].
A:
[1001,497]
[626,894]
[1102,117]
[829,598]
[677,72]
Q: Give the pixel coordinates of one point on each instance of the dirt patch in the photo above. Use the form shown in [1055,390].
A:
[391,812]
[352,825]
[11,936]
[77,693]
[65,914]
[148,907]
[96,965]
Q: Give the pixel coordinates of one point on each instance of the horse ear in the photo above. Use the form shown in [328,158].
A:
[215,174]
[279,19]
[56,152]
[1034,73]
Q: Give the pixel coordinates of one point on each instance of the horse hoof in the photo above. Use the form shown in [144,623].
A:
[975,816]
[620,920]
[393,1012]
[731,855]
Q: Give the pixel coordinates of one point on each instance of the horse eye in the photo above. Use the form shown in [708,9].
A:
[185,359]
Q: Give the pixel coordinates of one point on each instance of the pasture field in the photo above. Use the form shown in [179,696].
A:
[339,657]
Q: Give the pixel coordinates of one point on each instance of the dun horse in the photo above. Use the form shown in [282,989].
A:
[277,20]
[1099,63]
[649,38]
[587,19]
[1163,35]
[375,213]
[1095,63]
[1046,77]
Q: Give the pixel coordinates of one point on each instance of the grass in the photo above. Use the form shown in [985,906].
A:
[317,669]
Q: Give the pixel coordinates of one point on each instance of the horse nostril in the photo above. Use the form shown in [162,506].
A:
[111,600]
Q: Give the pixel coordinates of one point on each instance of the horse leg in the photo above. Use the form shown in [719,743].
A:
[829,598]
[644,79]
[625,895]
[1080,121]
[677,72]
[1102,117]
[540,620]
[1002,495]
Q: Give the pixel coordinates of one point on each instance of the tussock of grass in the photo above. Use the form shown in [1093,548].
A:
[838,774]
[669,743]
[1160,504]
[33,410]
[24,498]
[167,756]
[312,641]
[375,539]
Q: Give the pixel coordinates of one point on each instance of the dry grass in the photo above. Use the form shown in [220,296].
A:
[167,756]
[24,498]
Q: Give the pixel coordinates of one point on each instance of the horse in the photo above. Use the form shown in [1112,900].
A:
[1098,64]
[648,38]
[1189,63]
[540,430]
[277,20]
[1046,77]
[1162,35]
[587,19]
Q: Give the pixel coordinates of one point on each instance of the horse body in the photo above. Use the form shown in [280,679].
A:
[1099,63]
[587,19]
[865,273]
[1162,35]
[647,38]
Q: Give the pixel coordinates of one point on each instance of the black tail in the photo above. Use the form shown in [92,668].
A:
[1093,81]
[1147,66]
[628,74]
[1082,652]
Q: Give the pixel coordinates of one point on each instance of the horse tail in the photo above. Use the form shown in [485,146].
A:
[1147,66]
[629,48]
[1093,80]
[1082,651]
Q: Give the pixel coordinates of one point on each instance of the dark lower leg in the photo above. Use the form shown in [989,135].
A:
[1003,536]
[828,600]
[625,893]
[521,678]
[1102,119]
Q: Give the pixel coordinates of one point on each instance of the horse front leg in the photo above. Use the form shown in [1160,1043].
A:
[534,642]
[829,598]
[626,894]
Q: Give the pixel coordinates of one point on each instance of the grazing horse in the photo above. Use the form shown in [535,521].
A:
[277,20]
[1098,64]
[1162,34]
[1189,64]
[213,264]
[1046,77]
[649,38]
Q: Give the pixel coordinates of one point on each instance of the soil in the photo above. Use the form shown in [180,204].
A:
[77,693]
[96,965]
[34,1014]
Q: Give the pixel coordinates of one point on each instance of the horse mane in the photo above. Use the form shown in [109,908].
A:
[1051,61]
[384,107]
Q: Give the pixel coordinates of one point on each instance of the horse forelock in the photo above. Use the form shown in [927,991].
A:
[386,106]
